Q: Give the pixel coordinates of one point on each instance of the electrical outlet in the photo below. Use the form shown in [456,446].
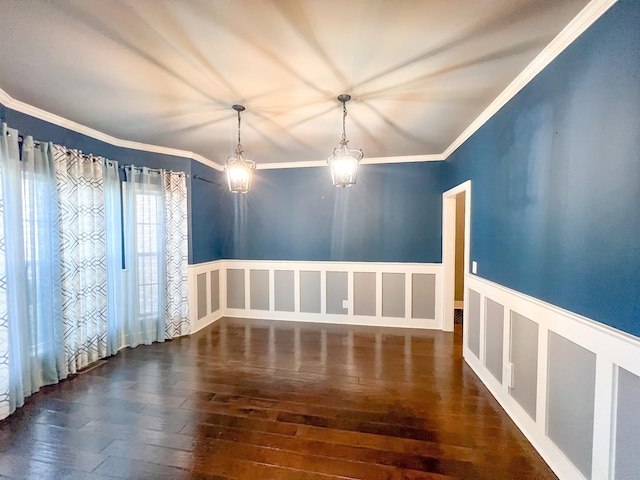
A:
[345,303]
[474,267]
[507,374]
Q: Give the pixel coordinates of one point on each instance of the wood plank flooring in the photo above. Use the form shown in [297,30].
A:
[272,400]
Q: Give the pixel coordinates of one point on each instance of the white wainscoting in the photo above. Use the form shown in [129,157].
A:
[204,311]
[198,299]
[609,348]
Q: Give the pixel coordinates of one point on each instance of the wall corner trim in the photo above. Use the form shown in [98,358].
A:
[587,16]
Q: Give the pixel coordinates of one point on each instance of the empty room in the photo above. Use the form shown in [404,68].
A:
[320,240]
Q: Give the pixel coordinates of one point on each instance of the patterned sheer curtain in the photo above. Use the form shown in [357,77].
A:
[175,255]
[82,239]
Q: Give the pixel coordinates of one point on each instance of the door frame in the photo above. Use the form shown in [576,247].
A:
[449,247]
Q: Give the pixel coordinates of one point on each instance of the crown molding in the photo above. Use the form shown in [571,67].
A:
[587,16]
[364,161]
[205,161]
[5,98]
[279,165]
[436,157]
[10,102]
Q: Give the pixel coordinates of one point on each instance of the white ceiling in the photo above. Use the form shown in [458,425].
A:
[167,72]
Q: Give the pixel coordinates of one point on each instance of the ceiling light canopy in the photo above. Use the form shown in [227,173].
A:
[239,169]
[344,161]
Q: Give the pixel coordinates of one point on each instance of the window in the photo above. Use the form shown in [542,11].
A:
[148,252]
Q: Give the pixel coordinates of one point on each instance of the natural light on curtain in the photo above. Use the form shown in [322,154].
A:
[65,299]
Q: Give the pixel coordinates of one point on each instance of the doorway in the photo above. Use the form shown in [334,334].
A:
[456,221]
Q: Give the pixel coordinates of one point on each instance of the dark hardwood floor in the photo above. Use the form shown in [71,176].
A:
[272,400]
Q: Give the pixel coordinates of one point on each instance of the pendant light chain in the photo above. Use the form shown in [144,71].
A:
[239,148]
[344,118]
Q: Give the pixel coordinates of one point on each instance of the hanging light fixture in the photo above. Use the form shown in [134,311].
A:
[239,169]
[344,161]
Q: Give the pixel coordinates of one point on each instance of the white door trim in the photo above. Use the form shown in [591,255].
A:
[449,247]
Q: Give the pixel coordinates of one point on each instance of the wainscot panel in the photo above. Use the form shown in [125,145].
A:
[568,382]
[204,282]
[318,292]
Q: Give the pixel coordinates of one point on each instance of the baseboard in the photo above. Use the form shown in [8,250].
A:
[206,321]
[370,321]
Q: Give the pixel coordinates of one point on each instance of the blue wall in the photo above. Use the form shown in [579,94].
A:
[556,189]
[392,214]
[209,222]
[206,246]
[556,179]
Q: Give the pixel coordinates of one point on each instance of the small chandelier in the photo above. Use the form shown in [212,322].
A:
[239,169]
[344,161]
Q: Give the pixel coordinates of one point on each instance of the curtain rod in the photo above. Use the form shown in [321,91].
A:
[196,177]
[154,170]
[21,140]
[37,143]
[96,158]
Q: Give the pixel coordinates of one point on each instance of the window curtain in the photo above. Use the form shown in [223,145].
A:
[156,305]
[5,409]
[88,263]
[114,253]
[175,255]
[83,250]
[32,268]
[41,226]
[144,280]
[53,280]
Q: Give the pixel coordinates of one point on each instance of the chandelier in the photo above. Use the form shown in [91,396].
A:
[344,161]
[239,169]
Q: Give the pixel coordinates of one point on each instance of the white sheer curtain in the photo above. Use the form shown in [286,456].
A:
[5,408]
[43,261]
[144,278]
[32,267]
[113,239]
